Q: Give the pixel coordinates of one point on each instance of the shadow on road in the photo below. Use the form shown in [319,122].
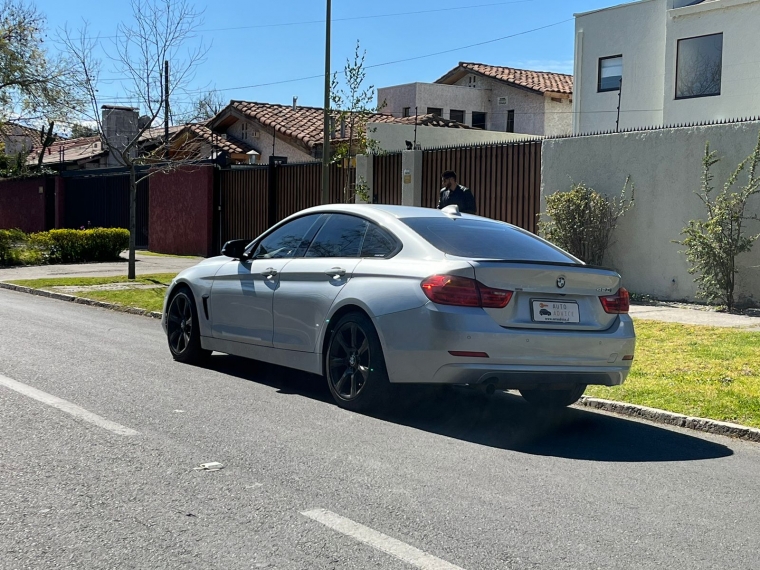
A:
[503,420]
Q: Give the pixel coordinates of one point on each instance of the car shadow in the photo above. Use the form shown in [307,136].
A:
[503,420]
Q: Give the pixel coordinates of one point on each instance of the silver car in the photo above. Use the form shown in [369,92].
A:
[374,295]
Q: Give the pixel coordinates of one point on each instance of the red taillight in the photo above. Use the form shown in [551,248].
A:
[464,292]
[617,303]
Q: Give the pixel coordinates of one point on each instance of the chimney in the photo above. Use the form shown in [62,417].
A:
[120,127]
[295,98]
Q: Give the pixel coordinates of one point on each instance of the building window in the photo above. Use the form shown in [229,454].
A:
[511,121]
[698,66]
[407,112]
[472,81]
[244,131]
[478,120]
[435,111]
[610,73]
[457,116]
[682,3]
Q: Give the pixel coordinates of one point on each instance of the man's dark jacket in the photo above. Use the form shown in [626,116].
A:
[460,196]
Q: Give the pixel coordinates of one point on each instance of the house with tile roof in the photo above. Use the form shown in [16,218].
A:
[490,97]
[296,131]
[16,138]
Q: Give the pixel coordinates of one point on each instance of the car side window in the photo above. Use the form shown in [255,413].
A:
[341,236]
[285,240]
[377,242]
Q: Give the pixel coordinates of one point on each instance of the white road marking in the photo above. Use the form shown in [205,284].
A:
[65,406]
[380,541]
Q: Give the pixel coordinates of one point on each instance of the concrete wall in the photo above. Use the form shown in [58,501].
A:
[181,211]
[392,137]
[22,205]
[120,127]
[424,95]
[665,166]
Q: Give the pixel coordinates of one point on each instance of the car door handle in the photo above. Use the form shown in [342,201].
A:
[269,272]
[336,272]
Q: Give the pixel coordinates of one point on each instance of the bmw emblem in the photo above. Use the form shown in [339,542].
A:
[560,282]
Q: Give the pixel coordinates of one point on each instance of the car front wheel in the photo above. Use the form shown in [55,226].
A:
[183,332]
[553,399]
[355,366]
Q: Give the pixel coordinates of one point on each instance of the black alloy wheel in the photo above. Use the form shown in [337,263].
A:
[183,332]
[355,367]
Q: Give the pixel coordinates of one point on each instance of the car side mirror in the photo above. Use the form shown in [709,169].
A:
[235,248]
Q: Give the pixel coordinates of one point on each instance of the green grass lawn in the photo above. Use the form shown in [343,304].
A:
[707,372]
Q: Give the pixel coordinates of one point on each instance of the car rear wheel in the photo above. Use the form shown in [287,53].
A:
[553,399]
[355,366]
[183,332]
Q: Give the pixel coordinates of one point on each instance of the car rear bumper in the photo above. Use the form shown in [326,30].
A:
[417,342]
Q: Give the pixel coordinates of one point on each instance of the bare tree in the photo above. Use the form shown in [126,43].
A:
[161,31]
[203,107]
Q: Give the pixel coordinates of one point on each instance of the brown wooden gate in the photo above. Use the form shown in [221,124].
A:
[506,179]
[386,178]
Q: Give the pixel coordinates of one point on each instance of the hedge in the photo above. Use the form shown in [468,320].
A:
[62,246]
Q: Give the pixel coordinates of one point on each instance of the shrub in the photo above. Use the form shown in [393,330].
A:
[76,246]
[581,221]
[11,244]
[713,244]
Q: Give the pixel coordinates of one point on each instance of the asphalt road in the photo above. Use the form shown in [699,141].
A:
[458,482]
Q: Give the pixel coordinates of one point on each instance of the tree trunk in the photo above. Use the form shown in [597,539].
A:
[132,220]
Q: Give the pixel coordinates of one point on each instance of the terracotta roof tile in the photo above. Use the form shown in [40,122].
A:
[83,148]
[222,142]
[541,81]
[303,123]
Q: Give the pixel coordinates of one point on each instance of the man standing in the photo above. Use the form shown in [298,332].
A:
[453,193]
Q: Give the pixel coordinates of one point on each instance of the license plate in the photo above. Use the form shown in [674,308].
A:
[555,312]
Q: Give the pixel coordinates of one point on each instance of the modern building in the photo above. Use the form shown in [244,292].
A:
[665,62]
[489,97]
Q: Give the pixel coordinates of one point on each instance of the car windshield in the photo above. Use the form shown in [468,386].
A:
[485,239]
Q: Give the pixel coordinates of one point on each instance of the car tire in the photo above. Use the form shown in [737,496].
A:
[183,332]
[355,365]
[553,399]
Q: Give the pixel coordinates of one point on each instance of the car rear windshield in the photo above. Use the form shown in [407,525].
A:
[485,239]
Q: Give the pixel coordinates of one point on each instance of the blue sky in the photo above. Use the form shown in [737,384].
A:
[259,43]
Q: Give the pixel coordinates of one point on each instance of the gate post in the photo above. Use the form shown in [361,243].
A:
[274,162]
[365,174]
[411,178]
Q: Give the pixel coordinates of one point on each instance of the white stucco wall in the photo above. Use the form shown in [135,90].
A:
[392,137]
[263,143]
[665,167]
[637,31]
[530,108]
[739,21]
[646,33]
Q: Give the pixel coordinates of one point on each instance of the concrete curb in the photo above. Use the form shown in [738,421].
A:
[80,300]
[735,431]
[727,429]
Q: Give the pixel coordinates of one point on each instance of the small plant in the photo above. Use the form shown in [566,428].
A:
[11,246]
[362,190]
[581,221]
[712,245]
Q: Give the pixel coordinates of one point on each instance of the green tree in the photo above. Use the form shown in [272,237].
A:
[712,245]
[353,106]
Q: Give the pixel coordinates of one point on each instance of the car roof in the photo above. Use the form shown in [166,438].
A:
[394,211]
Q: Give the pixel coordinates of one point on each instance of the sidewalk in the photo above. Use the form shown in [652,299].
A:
[167,264]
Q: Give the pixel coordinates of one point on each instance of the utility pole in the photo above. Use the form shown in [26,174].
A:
[166,106]
[326,137]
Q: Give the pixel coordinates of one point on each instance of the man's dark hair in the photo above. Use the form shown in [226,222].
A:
[449,174]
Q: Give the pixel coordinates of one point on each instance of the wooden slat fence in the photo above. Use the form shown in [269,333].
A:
[506,179]
[387,178]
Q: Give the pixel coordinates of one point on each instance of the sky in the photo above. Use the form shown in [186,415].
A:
[272,51]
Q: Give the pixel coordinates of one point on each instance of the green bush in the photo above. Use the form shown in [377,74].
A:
[62,246]
[582,221]
[11,246]
[76,246]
